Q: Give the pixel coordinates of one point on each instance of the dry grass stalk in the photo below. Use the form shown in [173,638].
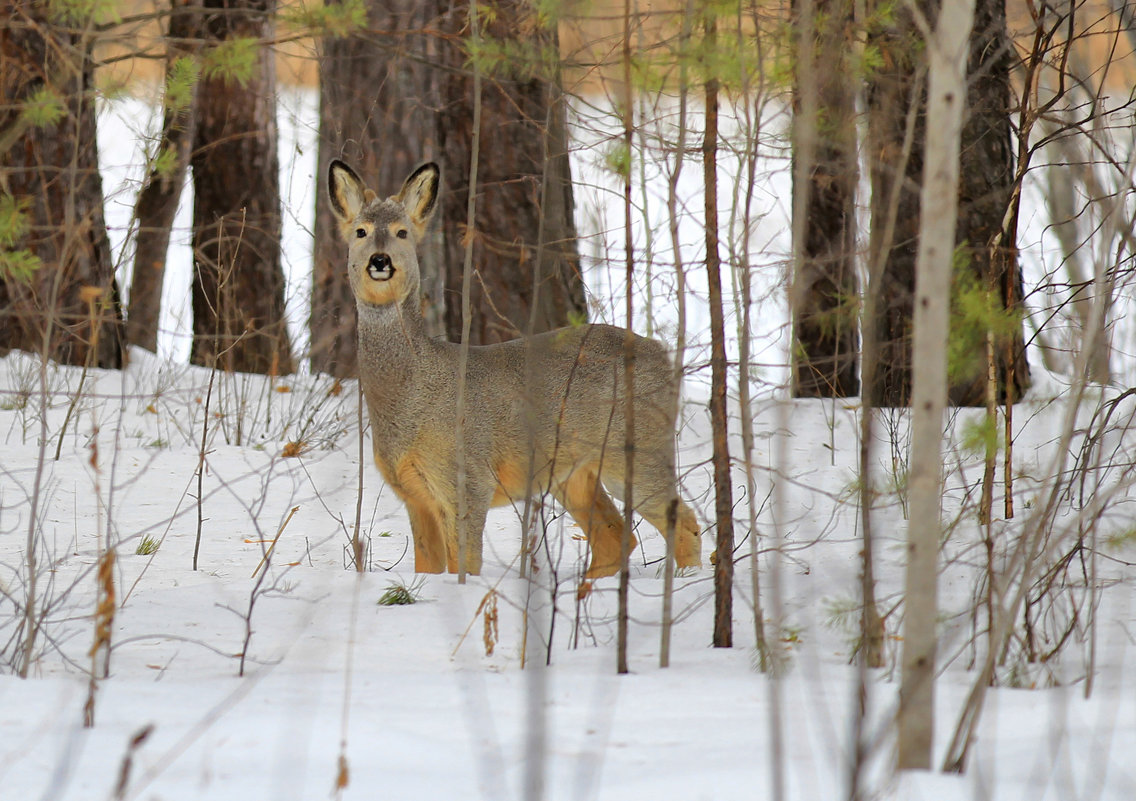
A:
[488,608]
[104,622]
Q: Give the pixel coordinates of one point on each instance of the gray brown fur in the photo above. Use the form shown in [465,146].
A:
[559,394]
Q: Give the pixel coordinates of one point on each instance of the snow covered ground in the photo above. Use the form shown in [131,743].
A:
[410,695]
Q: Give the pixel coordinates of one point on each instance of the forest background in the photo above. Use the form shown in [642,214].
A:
[612,164]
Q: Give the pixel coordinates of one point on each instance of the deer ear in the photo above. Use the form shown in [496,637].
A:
[419,195]
[345,190]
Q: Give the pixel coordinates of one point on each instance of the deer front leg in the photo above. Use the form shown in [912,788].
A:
[426,520]
[475,529]
[429,544]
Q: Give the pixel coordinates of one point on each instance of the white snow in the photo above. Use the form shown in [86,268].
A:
[413,701]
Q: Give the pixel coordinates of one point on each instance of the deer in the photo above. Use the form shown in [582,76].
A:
[542,414]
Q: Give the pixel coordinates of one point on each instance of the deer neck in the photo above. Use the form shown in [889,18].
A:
[393,350]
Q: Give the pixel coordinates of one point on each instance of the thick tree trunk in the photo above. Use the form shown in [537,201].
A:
[69,308]
[895,152]
[238,285]
[524,225]
[985,189]
[826,290]
[157,202]
[895,101]
[378,113]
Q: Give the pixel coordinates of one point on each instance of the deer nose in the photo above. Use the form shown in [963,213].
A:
[379,267]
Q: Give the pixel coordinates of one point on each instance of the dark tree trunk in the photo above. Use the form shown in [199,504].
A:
[378,113]
[69,308]
[826,291]
[523,142]
[986,183]
[157,202]
[896,91]
[238,284]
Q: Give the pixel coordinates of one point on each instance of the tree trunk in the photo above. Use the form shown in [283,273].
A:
[985,188]
[723,485]
[157,202]
[378,106]
[895,102]
[524,227]
[69,308]
[947,51]
[825,290]
[895,153]
[238,283]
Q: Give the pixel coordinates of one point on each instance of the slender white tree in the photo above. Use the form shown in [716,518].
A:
[947,51]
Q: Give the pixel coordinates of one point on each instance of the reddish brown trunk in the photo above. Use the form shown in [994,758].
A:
[69,309]
[158,200]
[377,113]
[523,140]
[238,286]
[723,486]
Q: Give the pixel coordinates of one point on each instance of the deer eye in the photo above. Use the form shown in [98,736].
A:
[401,233]
[360,232]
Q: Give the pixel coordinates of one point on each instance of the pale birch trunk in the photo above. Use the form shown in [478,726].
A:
[947,50]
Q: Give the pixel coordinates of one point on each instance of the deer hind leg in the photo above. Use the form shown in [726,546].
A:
[584,497]
[687,545]
[653,492]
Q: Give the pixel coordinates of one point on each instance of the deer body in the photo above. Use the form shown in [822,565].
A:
[542,414]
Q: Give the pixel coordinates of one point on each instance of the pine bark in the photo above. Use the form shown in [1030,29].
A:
[69,310]
[238,283]
[986,185]
[158,199]
[985,188]
[524,237]
[894,92]
[825,332]
[378,101]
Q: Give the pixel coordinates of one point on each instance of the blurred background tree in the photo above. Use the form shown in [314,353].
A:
[58,294]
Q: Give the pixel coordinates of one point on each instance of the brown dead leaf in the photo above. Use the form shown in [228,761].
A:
[294,449]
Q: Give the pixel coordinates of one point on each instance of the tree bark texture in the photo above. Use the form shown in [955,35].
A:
[523,229]
[825,332]
[238,284]
[69,310]
[158,200]
[378,104]
[986,185]
[894,92]
[985,188]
